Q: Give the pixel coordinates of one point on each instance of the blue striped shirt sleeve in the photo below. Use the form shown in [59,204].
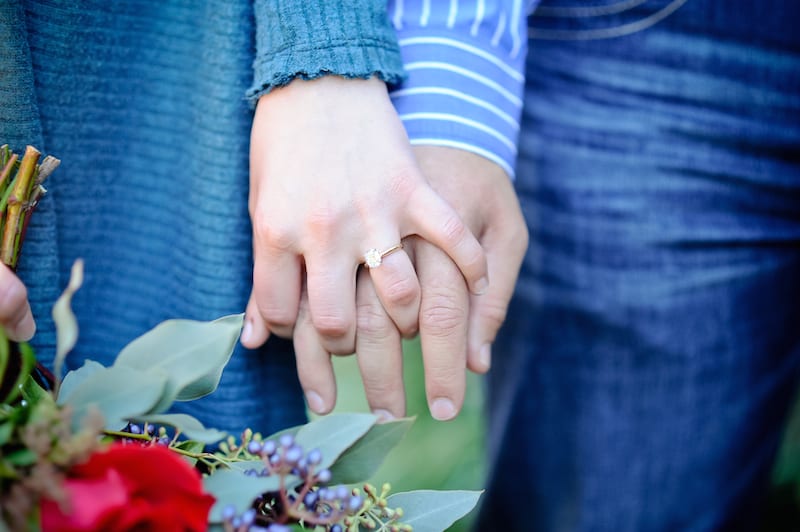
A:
[465,62]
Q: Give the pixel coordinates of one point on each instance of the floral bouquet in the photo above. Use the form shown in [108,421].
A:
[100,450]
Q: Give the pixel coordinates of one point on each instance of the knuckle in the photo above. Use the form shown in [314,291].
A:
[331,325]
[380,388]
[493,310]
[402,291]
[372,321]
[277,316]
[443,316]
[403,181]
[275,235]
[521,236]
[453,228]
[324,222]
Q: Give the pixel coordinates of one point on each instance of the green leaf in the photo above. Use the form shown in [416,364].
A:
[6,431]
[22,458]
[291,430]
[190,446]
[431,510]
[66,324]
[33,393]
[233,487]
[186,424]
[334,434]
[27,363]
[75,377]
[7,470]
[119,393]
[362,460]
[191,353]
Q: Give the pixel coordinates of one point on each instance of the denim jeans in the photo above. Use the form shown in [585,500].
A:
[652,349]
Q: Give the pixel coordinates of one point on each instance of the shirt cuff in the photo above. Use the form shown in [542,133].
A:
[462,91]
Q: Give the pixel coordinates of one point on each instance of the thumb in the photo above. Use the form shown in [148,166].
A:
[15,311]
[488,311]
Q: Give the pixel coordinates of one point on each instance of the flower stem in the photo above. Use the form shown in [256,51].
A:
[17,203]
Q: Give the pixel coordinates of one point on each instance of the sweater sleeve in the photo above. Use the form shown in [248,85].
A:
[465,62]
[311,38]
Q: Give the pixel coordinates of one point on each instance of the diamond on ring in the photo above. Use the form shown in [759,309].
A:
[373,258]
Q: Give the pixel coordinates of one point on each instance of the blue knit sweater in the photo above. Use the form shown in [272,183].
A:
[145,103]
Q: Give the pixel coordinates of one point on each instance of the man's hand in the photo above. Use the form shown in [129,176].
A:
[15,311]
[456,328]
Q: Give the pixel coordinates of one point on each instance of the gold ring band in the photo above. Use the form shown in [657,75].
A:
[373,258]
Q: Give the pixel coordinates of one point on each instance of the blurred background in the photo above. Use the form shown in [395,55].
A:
[450,455]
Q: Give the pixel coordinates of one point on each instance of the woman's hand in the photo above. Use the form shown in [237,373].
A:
[456,327]
[333,175]
[15,311]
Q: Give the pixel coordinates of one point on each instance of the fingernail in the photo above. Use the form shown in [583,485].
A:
[315,402]
[443,409]
[383,415]
[486,356]
[481,285]
[247,331]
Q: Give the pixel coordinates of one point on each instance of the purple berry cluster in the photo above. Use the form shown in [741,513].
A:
[309,500]
[146,434]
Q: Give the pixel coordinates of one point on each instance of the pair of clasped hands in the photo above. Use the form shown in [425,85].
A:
[333,175]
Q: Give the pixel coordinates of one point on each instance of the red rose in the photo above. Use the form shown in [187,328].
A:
[129,487]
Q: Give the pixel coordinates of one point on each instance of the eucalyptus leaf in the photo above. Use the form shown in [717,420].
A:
[334,434]
[186,424]
[192,353]
[119,393]
[233,487]
[243,465]
[75,377]
[431,510]
[65,322]
[363,459]
[291,430]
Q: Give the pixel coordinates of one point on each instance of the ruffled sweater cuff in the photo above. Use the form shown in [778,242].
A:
[312,38]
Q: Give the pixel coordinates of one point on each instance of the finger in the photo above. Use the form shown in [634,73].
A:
[443,330]
[15,311]
[505,248]
[331,298]
[396,284]
[254,331]
[276,277]
[379,352]
[435,221]
[314,368]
